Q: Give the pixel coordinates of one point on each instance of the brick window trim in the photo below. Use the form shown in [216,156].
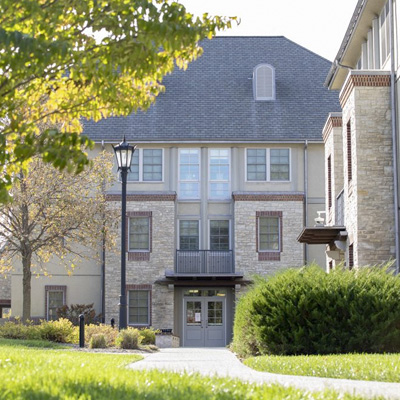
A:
[5,302]
[351,256]
[147,288]
[329,170]
[268,197]
[143,197]
[139,255]
[53,288]
[332,122]
[269,255]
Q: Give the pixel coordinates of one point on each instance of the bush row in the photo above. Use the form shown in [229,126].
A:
[63,331]
[306,311]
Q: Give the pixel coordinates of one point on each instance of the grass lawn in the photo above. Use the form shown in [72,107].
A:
[368,367]
[28,372]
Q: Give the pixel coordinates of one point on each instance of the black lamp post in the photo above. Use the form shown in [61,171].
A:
[123,154]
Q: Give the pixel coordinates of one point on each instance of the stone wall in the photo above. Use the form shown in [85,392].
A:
[246,208]
[369,211]
[144,273]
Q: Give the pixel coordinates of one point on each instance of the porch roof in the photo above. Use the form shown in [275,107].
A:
[322,234]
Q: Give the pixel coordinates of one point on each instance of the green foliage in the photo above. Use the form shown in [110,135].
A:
[18,330]
[31,343]
[306,311]
[63,61]
[128,339]
[366,367]
[61,331]
[73,311]
[98,341]
[148,336]
[35,374]
[109,333]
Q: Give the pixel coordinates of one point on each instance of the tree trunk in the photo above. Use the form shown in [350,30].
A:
[26,286]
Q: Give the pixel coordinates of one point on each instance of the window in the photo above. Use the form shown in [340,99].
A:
[277,160]
[351,256]
[54,299]
[269,235]
[329,169]
[189,173]
[219,235]
[384,33]
[139,307]
[219,174]
[189,235]
[139,234]
[264,82]
[256,164]
[349,158]
[146,166]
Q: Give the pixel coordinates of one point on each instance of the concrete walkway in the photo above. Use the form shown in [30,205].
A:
[221,362]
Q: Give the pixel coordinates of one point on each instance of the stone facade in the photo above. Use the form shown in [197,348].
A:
[142,274]
[247,258]
[367,151]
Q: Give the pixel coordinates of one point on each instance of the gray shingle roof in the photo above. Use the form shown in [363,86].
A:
[213,99]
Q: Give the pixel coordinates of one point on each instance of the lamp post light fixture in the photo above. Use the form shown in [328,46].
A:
[123,154]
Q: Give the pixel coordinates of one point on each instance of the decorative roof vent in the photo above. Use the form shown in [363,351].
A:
[264,82]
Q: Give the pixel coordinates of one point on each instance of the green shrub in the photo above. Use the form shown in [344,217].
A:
[128,339]
[306,311]
[148,336]
[109,333]
[61,331]
[98,341]
[73,311]
[18,330]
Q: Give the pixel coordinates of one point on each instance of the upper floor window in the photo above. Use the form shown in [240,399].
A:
[264,82]
[269,235]
[219,235]
[189,173]
[219,173]
[384,33]
[146,166]
[277,160]
[139,233]
[189,235]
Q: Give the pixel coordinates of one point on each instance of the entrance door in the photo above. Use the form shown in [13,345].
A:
[204,322]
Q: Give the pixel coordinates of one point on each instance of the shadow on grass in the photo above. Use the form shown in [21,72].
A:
[39,344]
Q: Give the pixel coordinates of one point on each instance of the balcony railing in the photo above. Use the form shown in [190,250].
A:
[339,218]
[204,262]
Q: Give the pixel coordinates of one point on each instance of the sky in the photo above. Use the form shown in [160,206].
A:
[318,25]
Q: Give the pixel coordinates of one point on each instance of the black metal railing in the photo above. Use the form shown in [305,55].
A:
[339,218]
[204,262]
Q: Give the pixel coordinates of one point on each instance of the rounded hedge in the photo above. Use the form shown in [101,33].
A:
[306,311]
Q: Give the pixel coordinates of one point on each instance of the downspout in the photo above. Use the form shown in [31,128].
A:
[103,260]
[305,213]
[394,134]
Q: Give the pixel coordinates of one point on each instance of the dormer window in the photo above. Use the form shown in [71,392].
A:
[264,82]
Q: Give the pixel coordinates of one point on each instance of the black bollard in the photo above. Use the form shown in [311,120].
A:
[112,323]
[81,330]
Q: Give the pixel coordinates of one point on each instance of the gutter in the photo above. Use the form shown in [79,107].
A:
[394,134]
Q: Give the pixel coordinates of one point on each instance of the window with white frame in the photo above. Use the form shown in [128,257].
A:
[219,160]
[139,233]
[189,173]
[268,165]
[219,235]
[384,33]
[269,233]
[264,82]
[139,307]
[146,166]
[55,300]
[189,235]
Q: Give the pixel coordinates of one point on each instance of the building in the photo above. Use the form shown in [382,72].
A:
[228,170]
[361,162]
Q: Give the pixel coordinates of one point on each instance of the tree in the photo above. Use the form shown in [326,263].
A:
[55,69]
[54,214]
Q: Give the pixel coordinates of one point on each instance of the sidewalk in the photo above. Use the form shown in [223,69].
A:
[221,362]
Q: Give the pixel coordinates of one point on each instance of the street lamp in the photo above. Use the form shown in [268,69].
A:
[123,154]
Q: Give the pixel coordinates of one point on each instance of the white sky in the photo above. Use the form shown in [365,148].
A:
[318,25]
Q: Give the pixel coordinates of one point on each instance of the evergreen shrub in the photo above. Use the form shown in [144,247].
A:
[98,341]
[61,330]
[17,330]
[128,339]
[109,333]
[148,336]
[306,311]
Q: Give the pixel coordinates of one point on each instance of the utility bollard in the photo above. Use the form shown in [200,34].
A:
[81,330]
[112,323]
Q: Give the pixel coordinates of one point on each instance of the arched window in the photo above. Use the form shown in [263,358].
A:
[264,82]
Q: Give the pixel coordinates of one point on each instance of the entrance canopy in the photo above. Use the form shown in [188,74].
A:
[322,234]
